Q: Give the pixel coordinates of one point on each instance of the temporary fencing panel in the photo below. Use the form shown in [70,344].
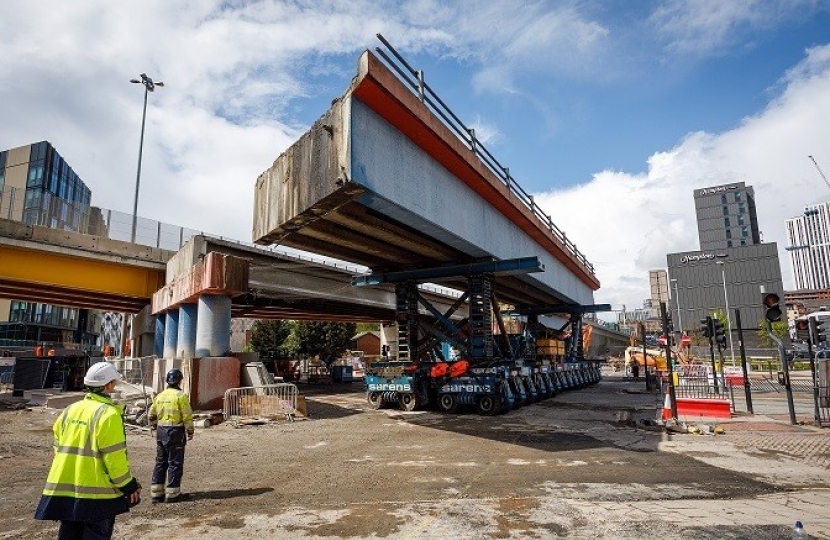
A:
[261,402]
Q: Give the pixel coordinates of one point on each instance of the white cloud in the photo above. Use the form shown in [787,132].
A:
[626,224]
[236,71]
[706,27]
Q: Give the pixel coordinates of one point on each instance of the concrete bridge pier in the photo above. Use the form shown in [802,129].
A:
[195,305]
[213,325]
[158,338]
[188,319]
[171,333]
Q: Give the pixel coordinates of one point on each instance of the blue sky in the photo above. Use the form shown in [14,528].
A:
[611,113]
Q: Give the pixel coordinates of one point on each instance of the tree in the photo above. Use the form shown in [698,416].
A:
[268,337]
[327,339]
[779,328]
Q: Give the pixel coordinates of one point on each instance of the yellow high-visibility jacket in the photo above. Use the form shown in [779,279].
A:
[171,408]
[90,473]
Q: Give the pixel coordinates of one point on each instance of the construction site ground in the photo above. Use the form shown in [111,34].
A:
[583,464]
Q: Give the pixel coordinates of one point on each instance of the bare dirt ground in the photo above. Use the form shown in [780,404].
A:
[574,466]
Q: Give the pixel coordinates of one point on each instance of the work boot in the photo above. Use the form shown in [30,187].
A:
[157,492]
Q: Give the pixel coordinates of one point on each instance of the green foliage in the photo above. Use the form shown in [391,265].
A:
[268,337]
[367,327]
[329,340]
[779,329]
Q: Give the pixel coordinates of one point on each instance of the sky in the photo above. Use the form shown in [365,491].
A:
[610,113]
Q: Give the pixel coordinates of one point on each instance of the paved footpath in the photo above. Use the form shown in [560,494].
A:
[766,446]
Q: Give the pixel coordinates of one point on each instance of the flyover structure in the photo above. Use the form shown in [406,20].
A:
[382,181]
[39,264]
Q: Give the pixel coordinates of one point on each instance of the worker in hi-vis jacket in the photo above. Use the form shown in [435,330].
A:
[171,416]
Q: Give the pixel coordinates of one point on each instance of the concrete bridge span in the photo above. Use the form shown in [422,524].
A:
[382,182]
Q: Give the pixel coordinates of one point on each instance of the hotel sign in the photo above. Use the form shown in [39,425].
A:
[696,257]
[713,190]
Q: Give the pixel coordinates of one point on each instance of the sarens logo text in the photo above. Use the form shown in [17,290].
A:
[389,387]
[486,388]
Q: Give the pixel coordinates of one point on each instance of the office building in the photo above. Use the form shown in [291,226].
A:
[38,187]
[808,243]
[726,216]
[731,269]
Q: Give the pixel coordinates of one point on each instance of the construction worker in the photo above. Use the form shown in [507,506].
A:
[171,416]
[90,481]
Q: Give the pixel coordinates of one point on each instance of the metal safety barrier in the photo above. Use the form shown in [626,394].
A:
[266,402]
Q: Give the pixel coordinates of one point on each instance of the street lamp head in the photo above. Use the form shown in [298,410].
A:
[149,83]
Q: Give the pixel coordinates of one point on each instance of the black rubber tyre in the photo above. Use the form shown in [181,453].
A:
[448,403]
[408,401]
[375,400]
[489,405]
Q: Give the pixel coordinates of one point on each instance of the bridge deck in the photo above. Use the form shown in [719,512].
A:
[380,181]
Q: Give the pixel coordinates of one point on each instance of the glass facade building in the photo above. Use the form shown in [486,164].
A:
[38,187]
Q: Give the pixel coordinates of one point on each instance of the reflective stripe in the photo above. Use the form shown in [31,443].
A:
[156,490]
[113,448]
[170,424]
[86,490]
[75,451]
[123,478]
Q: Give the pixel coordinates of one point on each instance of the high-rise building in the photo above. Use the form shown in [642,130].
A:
[38,187]
[732,268]
[808,242]
[659,285]
[726,216]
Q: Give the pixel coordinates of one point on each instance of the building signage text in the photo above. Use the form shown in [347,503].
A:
[719,189]
[697,257]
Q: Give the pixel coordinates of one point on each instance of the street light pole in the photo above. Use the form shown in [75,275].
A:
[726,300]
[149,86]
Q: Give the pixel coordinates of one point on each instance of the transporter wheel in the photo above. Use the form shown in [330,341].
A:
[408,401]
[448,403]
[375,400]
[489,405]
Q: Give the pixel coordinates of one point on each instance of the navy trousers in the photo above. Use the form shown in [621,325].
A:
[170,443]
[87,530]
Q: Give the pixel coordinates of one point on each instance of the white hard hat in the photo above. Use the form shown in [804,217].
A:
[100,374]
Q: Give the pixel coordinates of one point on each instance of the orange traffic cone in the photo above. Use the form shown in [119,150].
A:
[666,408]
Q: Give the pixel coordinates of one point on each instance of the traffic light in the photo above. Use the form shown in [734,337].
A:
[816,331]
[718,333]
[706,327]
[773,310]
[802,329]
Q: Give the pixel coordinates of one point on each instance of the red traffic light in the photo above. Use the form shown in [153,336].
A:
[773,312]
[802,324]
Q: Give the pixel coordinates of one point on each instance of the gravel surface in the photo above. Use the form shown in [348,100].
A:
[578,465]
